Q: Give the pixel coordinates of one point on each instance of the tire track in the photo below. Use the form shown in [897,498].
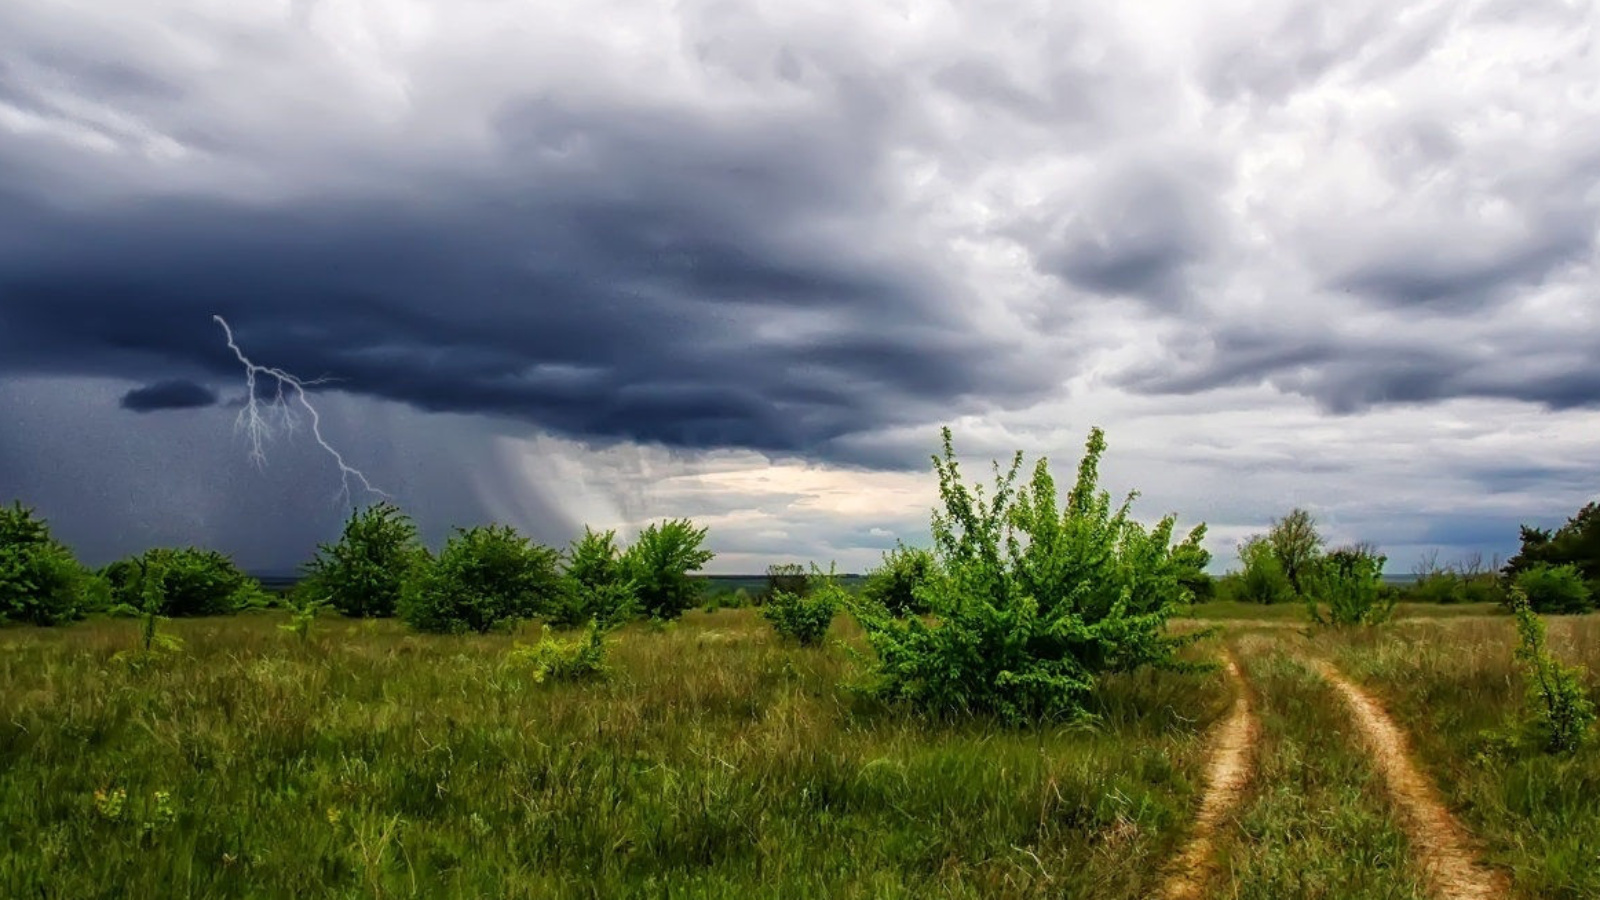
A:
[1443,847]
[1226,778]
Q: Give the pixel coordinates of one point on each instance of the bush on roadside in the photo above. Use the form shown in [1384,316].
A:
[1031,601]
[1262,579]
[484,578]
[1349,582]
[364,573]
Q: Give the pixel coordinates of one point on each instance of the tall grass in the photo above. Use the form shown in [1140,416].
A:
[714,762]
[1318,823]
[1458,690]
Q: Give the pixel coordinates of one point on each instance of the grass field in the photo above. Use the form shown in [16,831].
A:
[717,762]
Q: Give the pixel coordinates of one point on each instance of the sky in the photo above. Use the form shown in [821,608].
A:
[611,262]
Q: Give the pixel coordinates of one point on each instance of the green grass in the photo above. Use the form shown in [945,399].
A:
[1456,689]
[1226,610]
[1317,822]
[714,762]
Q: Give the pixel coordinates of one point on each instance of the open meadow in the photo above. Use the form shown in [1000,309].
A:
[716,761]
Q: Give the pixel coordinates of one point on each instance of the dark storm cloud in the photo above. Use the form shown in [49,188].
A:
[1133,231]
[169,394]
[657,281]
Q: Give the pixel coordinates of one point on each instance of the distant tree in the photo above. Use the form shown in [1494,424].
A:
[1577,543]
[484,578]
[1261,578]
[40,581]
[1349,582]
[786,578]
[1298,547]
[659,563]
[364,573]
[594,585]
[183,581]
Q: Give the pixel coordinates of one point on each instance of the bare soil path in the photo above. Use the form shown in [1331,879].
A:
[1226,777]
[1443,847]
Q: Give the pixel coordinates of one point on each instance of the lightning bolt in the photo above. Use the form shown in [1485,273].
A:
[258,424]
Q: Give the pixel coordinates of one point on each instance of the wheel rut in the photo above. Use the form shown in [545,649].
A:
[1443,848]
[1227,775]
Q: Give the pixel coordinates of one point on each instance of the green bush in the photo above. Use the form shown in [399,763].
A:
[895,583]
[806,618]
[1262,579]
[183,582]
[485,577]
[1030,602]
[1350,582]
[594,587]
[364,573]
[1554,589]
[659,563]
[40,581]
[1562,712]
[581,659]
[1576,543]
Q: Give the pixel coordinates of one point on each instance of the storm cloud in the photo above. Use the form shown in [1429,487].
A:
[813,234]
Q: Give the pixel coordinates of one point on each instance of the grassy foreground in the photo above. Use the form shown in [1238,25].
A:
[1455,688]
[714,762]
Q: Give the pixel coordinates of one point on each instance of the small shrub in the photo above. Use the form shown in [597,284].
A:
[364,573]
[185,582]
[659,563]
[1030,602]
[1350,582]
[485,577]
[895,583]
[578,659]
[305,602]
[594,586]
[1554,589]
[1561,712]
[806,618]
[40,581]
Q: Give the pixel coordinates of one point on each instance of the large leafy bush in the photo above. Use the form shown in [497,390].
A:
[485,577]
[1030,602]
[895,583]
[364,573]
[183,581]
[659,563]
[594,587]
[40,581]
[1554,589]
